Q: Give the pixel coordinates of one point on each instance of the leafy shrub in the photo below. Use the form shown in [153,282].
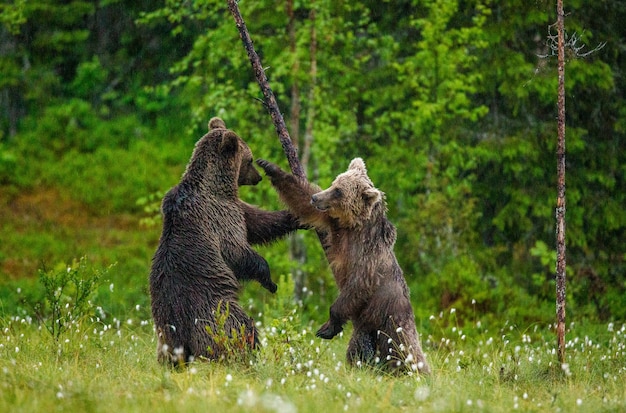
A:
[233,346]
[76,125]
[67,293]
[8,162]
[151,205]
[112,179]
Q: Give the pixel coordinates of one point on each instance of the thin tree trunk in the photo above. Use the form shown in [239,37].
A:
[270,101]
[297,248]
[271,104]
[310,116]
[295,90]
[560,202]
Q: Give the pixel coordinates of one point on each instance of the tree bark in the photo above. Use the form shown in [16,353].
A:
[560,202]
[272,107]
[294,114]
[297,247]
[270,101]
[310,116]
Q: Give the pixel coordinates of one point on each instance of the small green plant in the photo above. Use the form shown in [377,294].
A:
[8,162]
[233,345]
[151,206]
[66,296]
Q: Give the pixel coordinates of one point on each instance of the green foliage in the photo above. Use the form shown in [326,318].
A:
[139,169]
[75,125]
[12,15]
[450,103]
[67,294]
[231,346]
[8,162]
[151,206]
[89,74]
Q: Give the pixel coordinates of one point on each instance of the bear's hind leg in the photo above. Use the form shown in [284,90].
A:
[362,348]
[400,347]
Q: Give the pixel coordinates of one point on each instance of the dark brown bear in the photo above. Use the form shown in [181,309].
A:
[204,249]
[373,293]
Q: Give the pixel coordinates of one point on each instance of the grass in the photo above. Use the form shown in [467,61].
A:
[106,362]
[110,365]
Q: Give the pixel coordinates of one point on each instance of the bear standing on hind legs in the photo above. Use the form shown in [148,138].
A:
[373,293]
[204,250]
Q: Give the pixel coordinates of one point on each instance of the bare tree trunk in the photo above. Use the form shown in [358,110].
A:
[560,202]
[297,248]
[310,116]
[272,107]
[295,90]
[270,101]
[12,93]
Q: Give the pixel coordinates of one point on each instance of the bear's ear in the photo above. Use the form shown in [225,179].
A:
[229,143]
[371,196]
[216,123]
[358,164]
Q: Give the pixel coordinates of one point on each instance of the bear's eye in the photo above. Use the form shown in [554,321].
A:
[337,193]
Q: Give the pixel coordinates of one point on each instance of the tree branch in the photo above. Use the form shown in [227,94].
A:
[560,202]
[270,100]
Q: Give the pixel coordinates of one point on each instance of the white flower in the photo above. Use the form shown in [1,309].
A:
[421,393]
[565,368]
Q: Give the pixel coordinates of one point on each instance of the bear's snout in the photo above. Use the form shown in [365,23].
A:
[315,201]
[318,202]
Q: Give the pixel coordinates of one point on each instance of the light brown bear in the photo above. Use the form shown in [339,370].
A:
[373,293]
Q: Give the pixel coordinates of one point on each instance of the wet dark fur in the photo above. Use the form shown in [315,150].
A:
[360,240]
[204,249]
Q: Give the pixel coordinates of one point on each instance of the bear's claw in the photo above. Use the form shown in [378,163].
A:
[328,330]
[271,287]
[269,168]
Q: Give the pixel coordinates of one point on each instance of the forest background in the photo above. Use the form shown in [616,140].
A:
[452,104]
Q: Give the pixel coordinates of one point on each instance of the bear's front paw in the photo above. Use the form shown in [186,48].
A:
[328,330]
[269,168]
[270,286]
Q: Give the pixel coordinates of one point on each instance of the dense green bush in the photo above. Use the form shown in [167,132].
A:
[8,163]
[449,103]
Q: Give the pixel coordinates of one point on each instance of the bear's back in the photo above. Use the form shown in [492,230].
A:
[193,218]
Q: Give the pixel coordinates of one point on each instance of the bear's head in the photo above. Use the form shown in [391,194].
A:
[352,196]
[234,148]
